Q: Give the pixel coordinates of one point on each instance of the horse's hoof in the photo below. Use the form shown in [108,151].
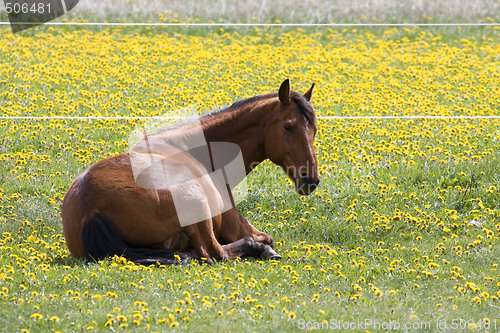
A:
[269,254]
[274,257]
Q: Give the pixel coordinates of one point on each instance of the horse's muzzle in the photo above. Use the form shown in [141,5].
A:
[306,185]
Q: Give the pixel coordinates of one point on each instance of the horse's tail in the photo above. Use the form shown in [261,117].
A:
[101,240]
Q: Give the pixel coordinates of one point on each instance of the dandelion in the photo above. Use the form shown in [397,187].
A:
[476,299]
[121,318]
[36,316]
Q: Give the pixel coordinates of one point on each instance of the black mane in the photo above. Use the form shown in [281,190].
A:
[240,103]
[303,105]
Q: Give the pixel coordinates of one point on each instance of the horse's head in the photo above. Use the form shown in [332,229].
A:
[290,137]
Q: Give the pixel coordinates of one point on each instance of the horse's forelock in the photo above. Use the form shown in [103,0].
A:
[304,107]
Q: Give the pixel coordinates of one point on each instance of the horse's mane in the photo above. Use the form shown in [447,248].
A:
[238,104]
[303,105]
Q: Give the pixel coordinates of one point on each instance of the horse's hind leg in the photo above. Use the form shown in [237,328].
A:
[179,258]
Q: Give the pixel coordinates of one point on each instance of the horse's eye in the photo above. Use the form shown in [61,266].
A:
[288,127]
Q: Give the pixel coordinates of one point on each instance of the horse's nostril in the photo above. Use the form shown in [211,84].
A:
[313,183]
[310,180]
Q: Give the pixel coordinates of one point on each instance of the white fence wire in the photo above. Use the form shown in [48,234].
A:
[229,24]
[173,117]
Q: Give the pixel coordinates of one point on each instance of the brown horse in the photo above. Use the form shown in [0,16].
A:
[106,211]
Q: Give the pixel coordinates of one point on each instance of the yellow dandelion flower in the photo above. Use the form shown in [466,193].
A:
[36,316]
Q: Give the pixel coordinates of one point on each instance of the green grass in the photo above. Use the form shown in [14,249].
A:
[323,254]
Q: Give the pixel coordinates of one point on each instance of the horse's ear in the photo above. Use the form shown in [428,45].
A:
[284,92]
[309,93]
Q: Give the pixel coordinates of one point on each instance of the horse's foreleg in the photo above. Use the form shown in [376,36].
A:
[248,247]
[261,237]
[202,240]
[235,226]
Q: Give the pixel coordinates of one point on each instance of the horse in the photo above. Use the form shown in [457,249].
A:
[110,209]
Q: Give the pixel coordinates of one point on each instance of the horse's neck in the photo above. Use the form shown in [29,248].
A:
[244,127]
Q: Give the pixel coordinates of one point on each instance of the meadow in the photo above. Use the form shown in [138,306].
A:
[402,234]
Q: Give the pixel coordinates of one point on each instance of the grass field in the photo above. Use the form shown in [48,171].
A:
[403,230]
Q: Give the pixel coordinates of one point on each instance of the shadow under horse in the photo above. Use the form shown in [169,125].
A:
[165,202]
